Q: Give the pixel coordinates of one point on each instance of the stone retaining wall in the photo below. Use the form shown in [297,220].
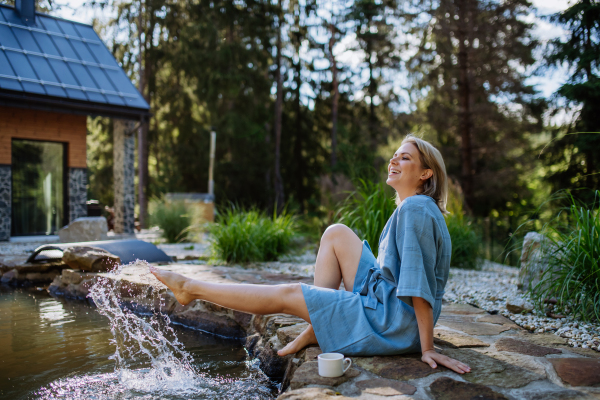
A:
[507,362]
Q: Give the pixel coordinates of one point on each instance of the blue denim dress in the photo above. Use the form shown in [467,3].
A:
[377,317]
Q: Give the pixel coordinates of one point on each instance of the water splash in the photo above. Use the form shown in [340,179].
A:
[150,362]
[150,341]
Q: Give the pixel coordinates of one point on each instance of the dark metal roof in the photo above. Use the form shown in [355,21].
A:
[62,65]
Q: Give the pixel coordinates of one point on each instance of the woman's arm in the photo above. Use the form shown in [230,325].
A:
[424,314]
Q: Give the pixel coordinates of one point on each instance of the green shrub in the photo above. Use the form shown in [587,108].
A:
[572,249]
[367,210]
[465,242]
[173,218]
[250,235]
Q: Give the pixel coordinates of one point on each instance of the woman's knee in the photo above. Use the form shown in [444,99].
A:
[292,298]
[336,231]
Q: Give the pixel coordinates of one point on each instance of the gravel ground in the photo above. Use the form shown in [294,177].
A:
[494,284]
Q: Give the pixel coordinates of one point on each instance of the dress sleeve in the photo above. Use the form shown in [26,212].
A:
[415,241]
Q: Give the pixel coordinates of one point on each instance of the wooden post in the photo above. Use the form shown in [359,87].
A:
[211,165]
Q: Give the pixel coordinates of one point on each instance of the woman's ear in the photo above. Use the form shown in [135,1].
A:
[426,175]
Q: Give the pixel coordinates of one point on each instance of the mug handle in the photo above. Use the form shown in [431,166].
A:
[349,364]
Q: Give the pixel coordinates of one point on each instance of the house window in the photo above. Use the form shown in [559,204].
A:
[38,187]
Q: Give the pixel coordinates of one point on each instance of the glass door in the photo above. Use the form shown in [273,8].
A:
[38,187]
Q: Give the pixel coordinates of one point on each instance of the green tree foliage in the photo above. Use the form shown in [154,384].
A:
[470,64]
[373,24]
[204,64]
[576,152]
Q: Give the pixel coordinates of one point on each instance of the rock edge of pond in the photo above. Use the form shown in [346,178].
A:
[507,361]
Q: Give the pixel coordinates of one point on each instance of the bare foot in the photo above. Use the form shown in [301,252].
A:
[307,337]
[176,282]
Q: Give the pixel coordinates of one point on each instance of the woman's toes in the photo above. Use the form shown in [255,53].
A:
[290,348]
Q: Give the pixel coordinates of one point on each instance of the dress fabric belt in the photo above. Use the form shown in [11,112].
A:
[374,277]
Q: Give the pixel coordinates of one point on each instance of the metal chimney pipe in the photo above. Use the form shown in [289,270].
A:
[26,9]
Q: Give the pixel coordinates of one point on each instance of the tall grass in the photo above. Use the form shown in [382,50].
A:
[572,249]
[172,217]
[367,210]
[241,235]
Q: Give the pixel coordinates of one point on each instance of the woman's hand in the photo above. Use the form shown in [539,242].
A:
[433,358]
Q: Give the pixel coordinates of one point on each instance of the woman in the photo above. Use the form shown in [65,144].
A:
[390,304]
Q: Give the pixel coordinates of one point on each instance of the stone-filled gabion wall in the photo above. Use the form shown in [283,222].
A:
[124,172]
[5,201]
[77,193]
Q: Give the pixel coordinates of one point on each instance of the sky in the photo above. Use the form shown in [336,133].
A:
[546,84]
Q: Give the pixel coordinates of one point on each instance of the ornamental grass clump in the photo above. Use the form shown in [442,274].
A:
[367,210]
[572,248]
[172,217]
[241,235]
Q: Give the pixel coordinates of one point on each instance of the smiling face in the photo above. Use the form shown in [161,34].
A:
[405,172]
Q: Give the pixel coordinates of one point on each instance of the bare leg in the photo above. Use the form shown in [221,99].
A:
[255,299]
[338,258]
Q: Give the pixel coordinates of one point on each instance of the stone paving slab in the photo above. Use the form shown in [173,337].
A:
[449,389]
[456,340]
[385,387]
[401,368]
[308,374]
[522,347]
[577,372]
[507,362]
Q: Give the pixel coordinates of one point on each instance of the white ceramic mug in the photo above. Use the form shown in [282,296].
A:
[331,365]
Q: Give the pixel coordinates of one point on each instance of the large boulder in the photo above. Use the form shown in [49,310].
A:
[85,229]
[535,260]
[92,259]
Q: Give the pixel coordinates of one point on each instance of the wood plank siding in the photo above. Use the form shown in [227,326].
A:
[21,123]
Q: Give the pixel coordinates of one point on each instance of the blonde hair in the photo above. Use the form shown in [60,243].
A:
[435,187]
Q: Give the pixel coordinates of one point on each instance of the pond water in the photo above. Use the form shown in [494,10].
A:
[57,349]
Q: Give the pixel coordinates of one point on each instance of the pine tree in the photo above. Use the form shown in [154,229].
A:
[577,153]
[470,62]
